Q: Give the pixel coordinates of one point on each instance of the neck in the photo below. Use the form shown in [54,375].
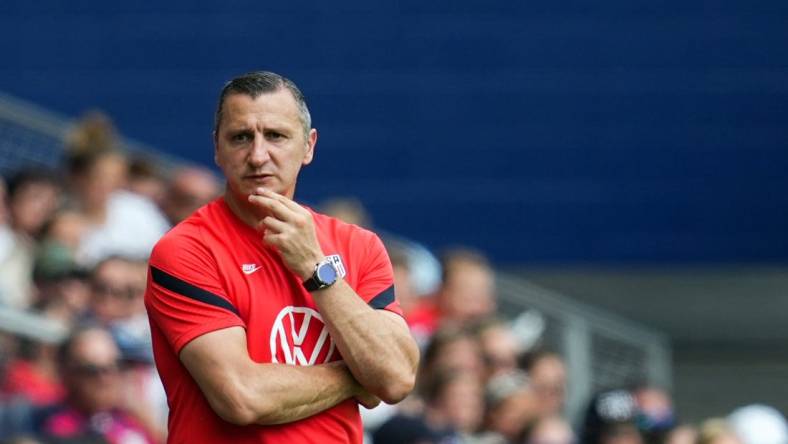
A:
[96,215]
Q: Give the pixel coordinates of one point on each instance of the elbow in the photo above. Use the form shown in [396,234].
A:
[396,388]
[236,417]
[401,379]
[235,407]
[233,411]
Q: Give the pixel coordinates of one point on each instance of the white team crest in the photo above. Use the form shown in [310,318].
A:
[337,261]
[301,337]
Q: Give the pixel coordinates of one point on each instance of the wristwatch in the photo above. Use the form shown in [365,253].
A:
[325,275]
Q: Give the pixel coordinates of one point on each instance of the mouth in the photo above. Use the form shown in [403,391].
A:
[257,177]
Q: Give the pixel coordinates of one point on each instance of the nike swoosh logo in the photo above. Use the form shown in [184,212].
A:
[250,271]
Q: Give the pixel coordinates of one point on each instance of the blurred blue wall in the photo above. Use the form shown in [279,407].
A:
[542,132]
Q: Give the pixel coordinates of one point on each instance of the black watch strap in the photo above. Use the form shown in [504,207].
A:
[312,284]
[317,281]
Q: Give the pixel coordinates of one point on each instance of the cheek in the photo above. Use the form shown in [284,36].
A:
[229,161]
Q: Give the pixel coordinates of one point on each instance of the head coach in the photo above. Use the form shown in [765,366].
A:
[272,322]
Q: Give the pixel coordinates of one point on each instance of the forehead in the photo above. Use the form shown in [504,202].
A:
[275,108]
[113,268]
[93,346]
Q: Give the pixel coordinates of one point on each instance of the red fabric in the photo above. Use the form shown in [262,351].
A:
[215,251]
[22,378]
[115,426]
[424,319]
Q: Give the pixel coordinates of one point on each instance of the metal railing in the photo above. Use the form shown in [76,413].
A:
[601,350]
[32,136]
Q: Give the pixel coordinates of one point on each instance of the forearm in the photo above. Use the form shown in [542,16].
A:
[280,393]
[242,391]
[379,352]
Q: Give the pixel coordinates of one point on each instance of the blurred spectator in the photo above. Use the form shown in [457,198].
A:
[14,260]
[467,293]
[93,410]
[454,402]
[407,429]
[117,288]
[93,132]
[511,405]
[33,374]
[451,349]
[348,210]
[759,424]
[119,222]
[189,189]
[424,268]
[145,179]
[683,434]
[550,430]
[611,419]
[63,291]
[66,228]
[716,431]
[142,388]
[33,197]
[500,348]
[403,283]
[548,379]
[655,417]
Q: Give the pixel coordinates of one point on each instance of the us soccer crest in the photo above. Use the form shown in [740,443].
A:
[337,261]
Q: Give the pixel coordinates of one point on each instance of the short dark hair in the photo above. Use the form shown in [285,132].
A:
[65,348]
[455,256]
[256,83]
[25,177]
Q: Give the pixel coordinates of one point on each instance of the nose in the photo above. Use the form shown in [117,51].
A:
[258,155]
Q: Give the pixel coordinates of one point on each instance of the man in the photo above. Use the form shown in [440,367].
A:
[94,409]
[272,322]
[466,295]
[116,293]
[548,378]
[33,197]
[189,189]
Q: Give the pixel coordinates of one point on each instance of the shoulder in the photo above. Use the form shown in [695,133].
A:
[356,245]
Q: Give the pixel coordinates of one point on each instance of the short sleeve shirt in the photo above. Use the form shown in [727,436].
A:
[211,272]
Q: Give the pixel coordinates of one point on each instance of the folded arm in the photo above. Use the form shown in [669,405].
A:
[243,392]
[375,344]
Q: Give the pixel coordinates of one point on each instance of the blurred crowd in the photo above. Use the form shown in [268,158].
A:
[73,248]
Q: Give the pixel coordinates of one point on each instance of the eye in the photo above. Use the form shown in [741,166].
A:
[242,137]
[274,135]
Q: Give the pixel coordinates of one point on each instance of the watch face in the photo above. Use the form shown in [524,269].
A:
[326,274]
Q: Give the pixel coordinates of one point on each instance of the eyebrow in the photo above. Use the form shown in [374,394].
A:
[240,129]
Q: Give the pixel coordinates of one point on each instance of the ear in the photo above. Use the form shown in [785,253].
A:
[310,147]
